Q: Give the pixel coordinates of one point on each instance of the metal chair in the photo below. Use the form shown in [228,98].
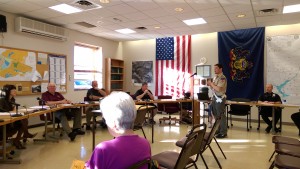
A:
[240,110]
[284,140]
[140,119]
[190,148]
[206,142]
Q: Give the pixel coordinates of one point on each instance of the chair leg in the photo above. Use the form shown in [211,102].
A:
[231,120]
[144,133]
[271,156]
[258,126]
[272,165]
[250,120]
[220,147]
[215,156]
[247,123]
[203,161]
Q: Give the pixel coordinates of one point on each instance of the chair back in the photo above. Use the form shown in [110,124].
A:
[43,116]
[140,164]
[240,109]
[167,107]
[140,116]
[86,99]
[191,146]
[213,131]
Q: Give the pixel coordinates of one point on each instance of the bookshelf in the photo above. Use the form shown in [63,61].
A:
[114,75]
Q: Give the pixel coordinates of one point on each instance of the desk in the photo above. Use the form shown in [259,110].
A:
[264,104]
[8,119]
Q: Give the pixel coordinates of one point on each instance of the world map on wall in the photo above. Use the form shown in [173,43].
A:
[16,65]
[283,67]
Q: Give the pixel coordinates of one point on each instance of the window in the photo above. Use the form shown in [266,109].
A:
[87,66]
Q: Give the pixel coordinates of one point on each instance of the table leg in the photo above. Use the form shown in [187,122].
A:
[273,120]
[93,129]
[4,159]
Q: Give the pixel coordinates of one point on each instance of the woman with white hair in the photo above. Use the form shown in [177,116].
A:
[127,148]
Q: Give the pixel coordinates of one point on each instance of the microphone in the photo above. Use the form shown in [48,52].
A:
[193,74]
[17,106]
[42,102]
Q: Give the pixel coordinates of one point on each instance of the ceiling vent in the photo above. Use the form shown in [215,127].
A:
[85,24]
[85,5]
[266,12]
[33,27]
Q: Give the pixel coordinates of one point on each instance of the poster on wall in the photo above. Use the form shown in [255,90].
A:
[283,60]
[142,71]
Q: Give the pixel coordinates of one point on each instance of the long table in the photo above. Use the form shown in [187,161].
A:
[8,119]
[254,103]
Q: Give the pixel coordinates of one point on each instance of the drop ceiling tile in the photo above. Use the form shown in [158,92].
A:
[122,9]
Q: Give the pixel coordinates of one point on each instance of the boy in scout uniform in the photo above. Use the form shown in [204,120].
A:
[218,87]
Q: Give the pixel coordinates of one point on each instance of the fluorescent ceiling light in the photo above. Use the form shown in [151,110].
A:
[196,21]
[125,31]
[64,8]
[291,8]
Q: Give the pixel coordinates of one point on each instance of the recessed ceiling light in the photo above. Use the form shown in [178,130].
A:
[104,1]
[196,21]
[241,15]
[178,9]
[157,27]
[64,8]
[125,31]
[291,8]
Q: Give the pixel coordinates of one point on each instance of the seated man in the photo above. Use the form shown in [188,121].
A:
[145,94]
[93,94]
[126,148]
[266,111]
[51,97]
[296,118]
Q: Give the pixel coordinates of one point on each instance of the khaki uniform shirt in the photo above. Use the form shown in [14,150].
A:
[220,81]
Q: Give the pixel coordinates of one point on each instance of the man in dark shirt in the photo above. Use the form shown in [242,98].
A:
[51,97]
[145,94]
[266,111]
[93,94]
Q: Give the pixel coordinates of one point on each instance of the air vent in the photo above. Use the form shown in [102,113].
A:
[85,24]
[85,5]
[38,28]
[265,12]
[141,28]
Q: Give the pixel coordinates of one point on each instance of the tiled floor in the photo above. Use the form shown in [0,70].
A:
[247,150]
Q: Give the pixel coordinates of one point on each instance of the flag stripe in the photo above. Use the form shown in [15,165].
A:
[172,75]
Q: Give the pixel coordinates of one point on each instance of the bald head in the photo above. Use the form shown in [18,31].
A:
[269,88]
[51,87]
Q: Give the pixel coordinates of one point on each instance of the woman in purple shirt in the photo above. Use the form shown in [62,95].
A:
[127,148]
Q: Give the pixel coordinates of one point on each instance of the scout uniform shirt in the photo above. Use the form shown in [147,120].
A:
[220,81]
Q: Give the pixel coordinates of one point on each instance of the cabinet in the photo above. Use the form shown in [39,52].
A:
[114,75]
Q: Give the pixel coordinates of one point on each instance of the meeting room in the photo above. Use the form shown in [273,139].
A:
[132,84]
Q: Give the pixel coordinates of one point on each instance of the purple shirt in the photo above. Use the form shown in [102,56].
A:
[47,96]
[119,153]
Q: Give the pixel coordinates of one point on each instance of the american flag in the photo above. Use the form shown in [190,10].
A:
[173,65]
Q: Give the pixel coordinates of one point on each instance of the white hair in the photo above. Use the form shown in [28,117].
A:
[119,107]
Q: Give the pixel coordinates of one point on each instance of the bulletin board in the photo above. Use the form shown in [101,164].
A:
[30,71]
